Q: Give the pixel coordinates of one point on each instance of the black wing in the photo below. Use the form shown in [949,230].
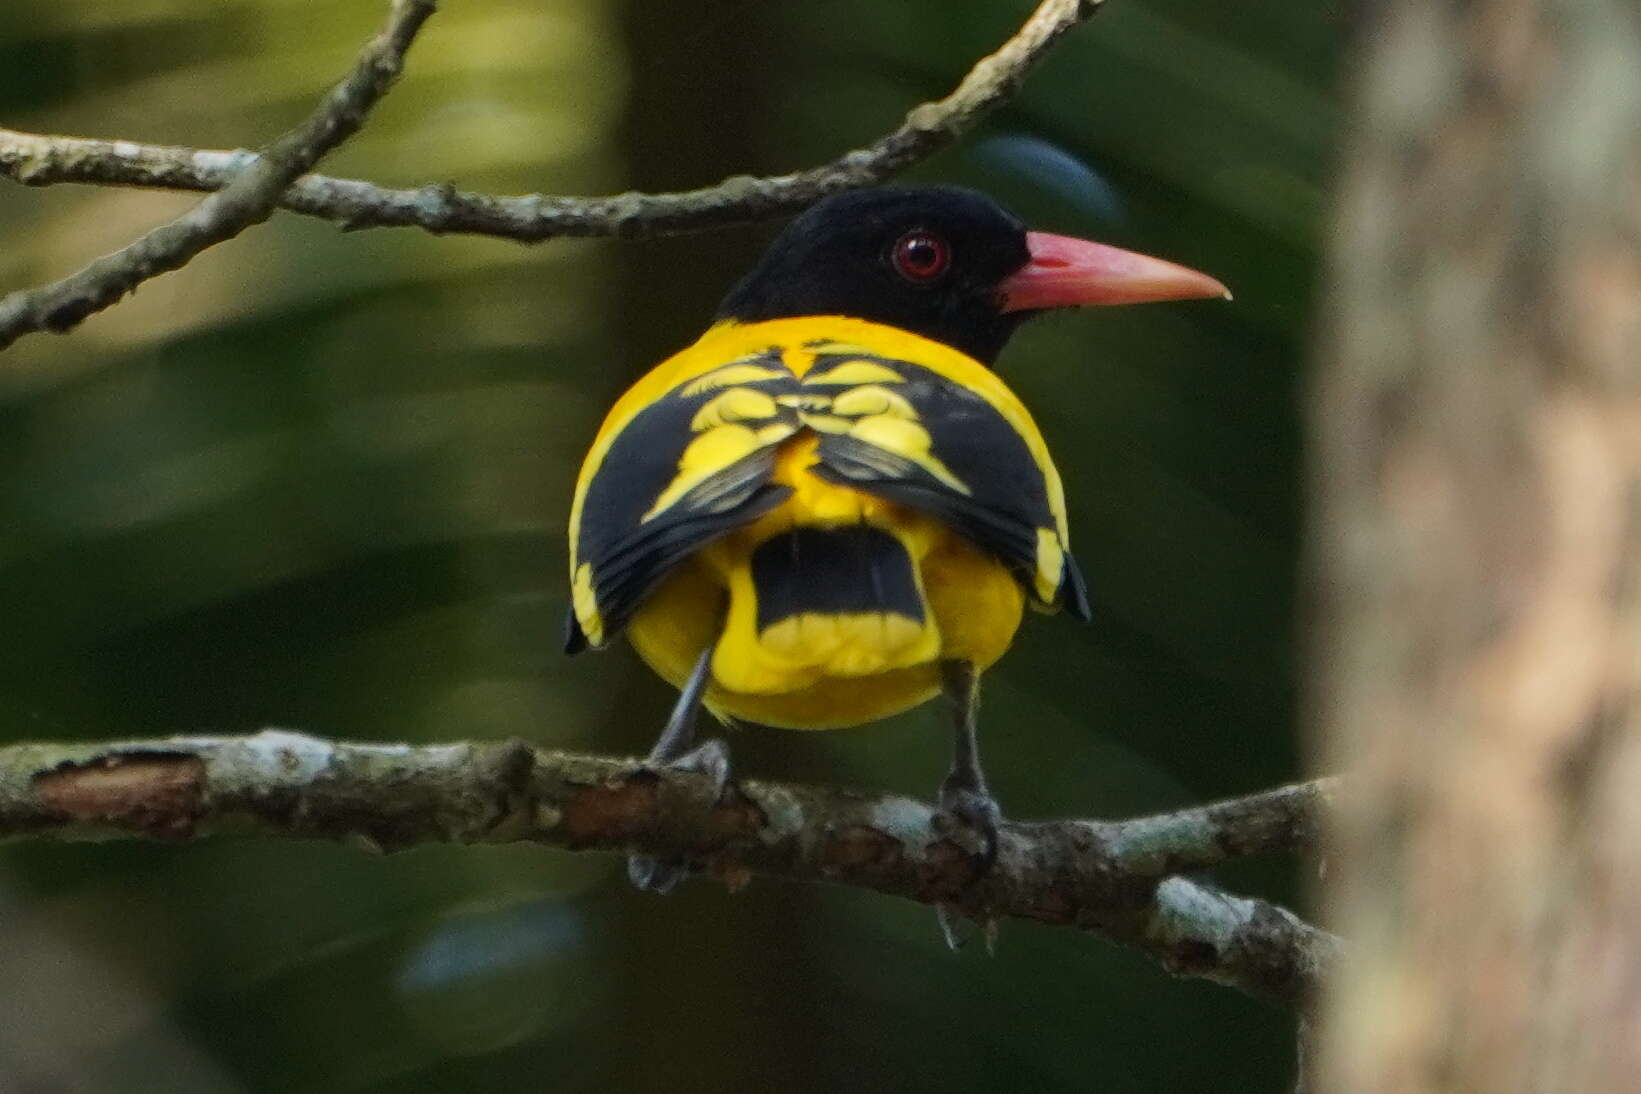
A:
[692,465]
[929,441]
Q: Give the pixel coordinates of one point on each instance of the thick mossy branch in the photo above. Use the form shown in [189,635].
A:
[1108,877]
[440,208]
[247,195]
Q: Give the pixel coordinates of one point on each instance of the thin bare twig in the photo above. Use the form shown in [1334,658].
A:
[248,195]
[1076,873]
[441,208]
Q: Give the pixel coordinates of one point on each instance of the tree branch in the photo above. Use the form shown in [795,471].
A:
[441,208]
[247,196]
[1288,818]
[1107,877]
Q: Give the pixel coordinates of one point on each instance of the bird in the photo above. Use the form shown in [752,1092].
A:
[830,508]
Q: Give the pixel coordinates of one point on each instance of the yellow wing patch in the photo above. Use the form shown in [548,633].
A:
[1051,564]
[857,372]
[735,373]
[585,604]
[871,400]
[738,404]
[712,452]
[910,441]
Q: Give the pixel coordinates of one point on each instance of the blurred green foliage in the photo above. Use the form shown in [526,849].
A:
[320,479]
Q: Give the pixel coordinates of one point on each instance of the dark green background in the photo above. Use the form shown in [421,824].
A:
[319,480]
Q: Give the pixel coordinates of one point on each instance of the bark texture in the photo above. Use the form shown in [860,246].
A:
[38,160]
[248,194]
[1478,485]
[1109,877]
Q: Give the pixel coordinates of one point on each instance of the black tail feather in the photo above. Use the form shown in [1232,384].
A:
[834,571]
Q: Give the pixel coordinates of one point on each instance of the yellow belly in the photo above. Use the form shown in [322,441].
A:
[973,603]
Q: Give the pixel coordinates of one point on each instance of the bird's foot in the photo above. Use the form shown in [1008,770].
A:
[959,930]
[654,875]
[711,759]
[978,814]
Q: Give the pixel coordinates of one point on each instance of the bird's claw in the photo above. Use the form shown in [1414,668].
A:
[978,811]
[958,930]
[653,875]
[711,759]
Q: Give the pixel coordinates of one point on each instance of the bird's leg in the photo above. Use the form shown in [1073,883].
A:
[963,792]
[673,749]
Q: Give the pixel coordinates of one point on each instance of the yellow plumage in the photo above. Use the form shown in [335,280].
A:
[819,669]
[813,521]
[826,671]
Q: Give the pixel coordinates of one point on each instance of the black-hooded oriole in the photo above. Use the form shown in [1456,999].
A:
[830,509]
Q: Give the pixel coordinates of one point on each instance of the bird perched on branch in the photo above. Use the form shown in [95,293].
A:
[830,509]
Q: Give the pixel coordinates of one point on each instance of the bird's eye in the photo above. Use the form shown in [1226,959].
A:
[921,256]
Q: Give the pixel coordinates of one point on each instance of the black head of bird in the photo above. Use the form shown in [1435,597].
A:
[829,509]
[947,263]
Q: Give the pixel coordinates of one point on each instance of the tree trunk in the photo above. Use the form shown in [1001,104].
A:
[1477,431]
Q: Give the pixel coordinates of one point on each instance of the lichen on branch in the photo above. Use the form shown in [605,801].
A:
[1113,878]
[37,160]
[247,195]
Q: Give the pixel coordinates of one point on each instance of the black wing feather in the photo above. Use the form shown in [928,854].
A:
[631,549]
[1007,500]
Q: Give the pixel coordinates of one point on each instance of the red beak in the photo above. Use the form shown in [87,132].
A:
[1069,273]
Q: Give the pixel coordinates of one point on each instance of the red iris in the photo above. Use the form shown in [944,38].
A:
[921,256]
